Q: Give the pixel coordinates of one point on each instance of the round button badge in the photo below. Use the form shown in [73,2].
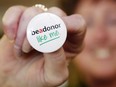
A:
[46,32]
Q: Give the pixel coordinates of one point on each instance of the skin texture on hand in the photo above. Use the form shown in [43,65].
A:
[21,65]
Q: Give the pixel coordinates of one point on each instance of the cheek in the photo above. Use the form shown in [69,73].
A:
[112,37]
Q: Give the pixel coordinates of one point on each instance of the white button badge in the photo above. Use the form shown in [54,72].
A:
[46,32]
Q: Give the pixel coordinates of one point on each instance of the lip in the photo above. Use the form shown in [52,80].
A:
[102,53]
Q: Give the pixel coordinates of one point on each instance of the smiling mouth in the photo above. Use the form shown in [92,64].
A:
[102,53]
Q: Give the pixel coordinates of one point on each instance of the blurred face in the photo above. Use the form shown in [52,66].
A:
[98,59]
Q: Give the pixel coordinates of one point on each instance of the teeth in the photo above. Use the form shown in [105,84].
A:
[102,53]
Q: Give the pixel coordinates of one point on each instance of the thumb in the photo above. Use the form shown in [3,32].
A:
[56,71]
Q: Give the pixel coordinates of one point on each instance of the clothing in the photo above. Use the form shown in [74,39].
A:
[75,77]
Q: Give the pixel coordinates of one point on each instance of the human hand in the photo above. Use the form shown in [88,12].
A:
[21,65]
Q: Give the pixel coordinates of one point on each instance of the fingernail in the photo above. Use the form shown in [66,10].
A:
[26,50]
[26,47]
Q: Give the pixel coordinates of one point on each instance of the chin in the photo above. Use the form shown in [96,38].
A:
[101,78]
[103,72]
[99,70]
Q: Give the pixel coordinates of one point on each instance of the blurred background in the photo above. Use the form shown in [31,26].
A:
[5,4]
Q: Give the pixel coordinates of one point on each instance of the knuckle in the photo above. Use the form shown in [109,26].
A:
[80,17]
[31,12]
[15,8]
[27,13]
[82,24]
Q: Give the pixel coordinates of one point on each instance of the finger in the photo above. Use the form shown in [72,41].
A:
[21,33]
[11,19]
[55,67]
[26,46]
[76,27]
[76,32]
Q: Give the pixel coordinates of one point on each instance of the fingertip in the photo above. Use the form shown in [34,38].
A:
[11,19]
[81,22]
[26,47]
[9,28]
[76,23]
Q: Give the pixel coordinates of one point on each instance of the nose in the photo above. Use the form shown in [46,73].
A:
[101,35]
